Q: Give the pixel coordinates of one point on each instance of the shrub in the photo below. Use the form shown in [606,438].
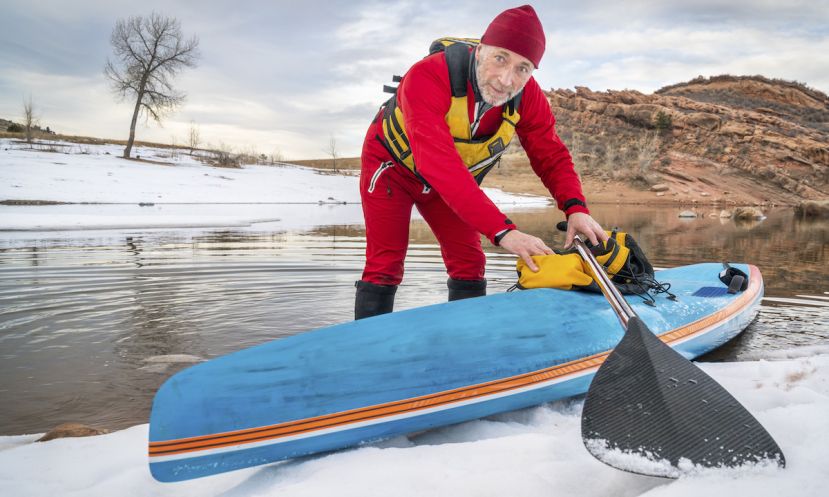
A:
[663,122]
[14,128]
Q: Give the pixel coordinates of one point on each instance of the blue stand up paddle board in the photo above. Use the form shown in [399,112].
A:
[418,369]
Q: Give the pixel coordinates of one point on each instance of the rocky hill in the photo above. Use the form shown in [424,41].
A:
[744,139]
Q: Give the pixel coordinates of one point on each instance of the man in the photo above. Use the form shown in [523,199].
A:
[452,116]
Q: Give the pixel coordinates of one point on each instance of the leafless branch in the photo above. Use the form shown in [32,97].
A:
[29,119]
[331,150]
[148,53]
[194,138]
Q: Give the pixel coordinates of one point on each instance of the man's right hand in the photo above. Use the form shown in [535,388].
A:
[525,246]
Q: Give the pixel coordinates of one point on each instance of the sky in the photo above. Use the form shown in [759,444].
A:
[284,77]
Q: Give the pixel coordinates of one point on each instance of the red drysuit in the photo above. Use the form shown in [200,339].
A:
[455,207]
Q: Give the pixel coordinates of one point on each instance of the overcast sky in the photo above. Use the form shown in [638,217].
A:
[283,76]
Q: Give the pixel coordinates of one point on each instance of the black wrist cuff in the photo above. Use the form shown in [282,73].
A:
[500,236]
[572,203]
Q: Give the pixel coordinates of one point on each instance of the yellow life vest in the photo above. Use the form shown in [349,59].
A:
[479,154]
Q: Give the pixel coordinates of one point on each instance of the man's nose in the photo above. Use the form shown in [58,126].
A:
[505,76]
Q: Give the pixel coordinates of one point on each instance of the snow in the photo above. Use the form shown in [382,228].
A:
[536,451]
[645,462]
[182,192]
[641,463]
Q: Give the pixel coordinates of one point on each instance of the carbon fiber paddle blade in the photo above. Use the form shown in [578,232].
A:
[651,411]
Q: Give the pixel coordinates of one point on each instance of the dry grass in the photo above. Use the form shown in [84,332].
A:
[513,174]
[701,80]
[84,140]
[601,183]
[345,163]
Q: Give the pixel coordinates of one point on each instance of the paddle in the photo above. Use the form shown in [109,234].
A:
[651,411]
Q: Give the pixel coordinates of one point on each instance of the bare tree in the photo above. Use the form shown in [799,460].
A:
[331,150]
[276,156]
[647,149]
[611,156]
[149,53]
[173,147]
[29,119]
[224,156]
[575,148]
[194,138]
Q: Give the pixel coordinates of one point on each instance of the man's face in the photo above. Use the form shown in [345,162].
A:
[501,73]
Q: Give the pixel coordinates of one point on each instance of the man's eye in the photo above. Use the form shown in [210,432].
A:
[500,58]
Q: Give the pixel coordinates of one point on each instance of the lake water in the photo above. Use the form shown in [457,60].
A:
[92,322]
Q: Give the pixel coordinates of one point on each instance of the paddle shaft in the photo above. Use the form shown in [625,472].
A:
[623,311]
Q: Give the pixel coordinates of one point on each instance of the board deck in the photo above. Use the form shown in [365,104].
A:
[418,369]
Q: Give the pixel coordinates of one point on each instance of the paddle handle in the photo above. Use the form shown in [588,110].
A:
[620,306]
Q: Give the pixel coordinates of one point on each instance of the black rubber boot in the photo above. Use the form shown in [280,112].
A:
[373,300]
[465,289]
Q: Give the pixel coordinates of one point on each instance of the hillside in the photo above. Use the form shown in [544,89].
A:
[721,139]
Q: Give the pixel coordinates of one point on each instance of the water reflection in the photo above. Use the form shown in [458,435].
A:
[791,254]
[81,314]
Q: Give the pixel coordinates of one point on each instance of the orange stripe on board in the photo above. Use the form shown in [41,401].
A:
[373,412]
[290,428]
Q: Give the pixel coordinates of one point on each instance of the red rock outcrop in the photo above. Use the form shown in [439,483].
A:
[772,135]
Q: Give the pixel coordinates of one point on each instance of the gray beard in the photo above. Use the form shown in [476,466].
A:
[488,98]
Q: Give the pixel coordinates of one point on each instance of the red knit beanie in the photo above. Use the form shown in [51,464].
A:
[518,30]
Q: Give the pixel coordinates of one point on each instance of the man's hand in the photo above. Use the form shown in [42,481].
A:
[525,246]
[581,223]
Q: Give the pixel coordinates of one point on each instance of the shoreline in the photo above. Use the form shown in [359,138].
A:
[600,201]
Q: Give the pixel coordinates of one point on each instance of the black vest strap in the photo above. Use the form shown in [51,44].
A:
[457,59]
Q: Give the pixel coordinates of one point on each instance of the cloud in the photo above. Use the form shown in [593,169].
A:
[285,75]
[66,103]
[649,59]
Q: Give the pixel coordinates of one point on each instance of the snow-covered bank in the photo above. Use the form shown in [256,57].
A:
[537,451]
[96,174]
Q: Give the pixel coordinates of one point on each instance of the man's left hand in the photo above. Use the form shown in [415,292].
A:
[584,224]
